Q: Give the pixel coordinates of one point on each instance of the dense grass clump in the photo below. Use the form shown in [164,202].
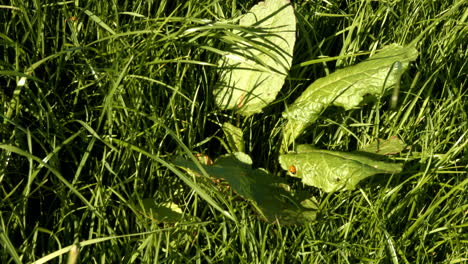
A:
[99,97]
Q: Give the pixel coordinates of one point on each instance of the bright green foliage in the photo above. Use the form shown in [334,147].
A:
[234,137]
[333,170]
[269,193]
[98,97]
[346,88]
[165,212]
[390,146]
[254,70]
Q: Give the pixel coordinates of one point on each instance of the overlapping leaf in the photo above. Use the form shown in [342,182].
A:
[346,88]
[253,70]
[234,136]
[389,146]
[266,191]
[334,170]
[161,212]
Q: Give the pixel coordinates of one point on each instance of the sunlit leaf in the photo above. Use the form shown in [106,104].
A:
[234,136]
[254,69]
[268,192]
[334,170]
[161,212]
[390,146]
[346,88]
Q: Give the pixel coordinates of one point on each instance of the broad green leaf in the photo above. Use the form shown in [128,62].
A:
[346,88]
[234,136]
[267,192]
[254,69]
[390,146]
[334,170]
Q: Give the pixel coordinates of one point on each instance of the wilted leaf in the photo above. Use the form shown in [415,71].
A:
[234,137]
[260,187]
[346,88]
[333,170]
[390,146]
[204,159]
[253,71]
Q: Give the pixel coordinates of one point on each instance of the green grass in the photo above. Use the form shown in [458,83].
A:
[116,90]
